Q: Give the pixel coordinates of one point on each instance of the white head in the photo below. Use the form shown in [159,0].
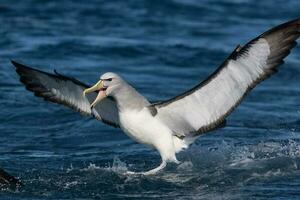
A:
[108,84]
[111,84]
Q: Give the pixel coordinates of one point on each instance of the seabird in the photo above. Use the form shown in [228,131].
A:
[172,125]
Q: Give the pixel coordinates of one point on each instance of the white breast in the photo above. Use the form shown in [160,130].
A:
[142,127]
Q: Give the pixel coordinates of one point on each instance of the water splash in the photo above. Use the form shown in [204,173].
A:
[117,166]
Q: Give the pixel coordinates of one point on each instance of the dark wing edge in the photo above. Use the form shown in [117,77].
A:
[65,90]
[29,77]
[281,40]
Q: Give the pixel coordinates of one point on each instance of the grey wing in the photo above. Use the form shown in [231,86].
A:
[205,107]
[67,91]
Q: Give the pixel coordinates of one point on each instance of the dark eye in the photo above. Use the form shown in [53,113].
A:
[109,79]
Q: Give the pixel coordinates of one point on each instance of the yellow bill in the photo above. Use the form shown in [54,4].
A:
[97,87]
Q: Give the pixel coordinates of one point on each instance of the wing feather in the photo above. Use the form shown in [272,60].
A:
[205,107]
[67,91]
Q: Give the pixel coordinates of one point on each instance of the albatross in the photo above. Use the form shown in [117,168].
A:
[170,126]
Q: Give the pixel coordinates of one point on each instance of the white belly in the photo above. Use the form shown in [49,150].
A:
[142,127]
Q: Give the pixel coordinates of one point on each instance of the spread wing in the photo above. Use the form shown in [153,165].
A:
[67,91]
[205,107]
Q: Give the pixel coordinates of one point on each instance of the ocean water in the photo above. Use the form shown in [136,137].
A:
[162,48]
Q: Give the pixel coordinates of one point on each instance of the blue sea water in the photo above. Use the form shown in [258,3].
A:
[162,48]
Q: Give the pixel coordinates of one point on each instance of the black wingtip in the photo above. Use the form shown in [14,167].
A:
[21,67]
[14,63]
[18,65]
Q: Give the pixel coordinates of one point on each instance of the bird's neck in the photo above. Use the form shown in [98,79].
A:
[128,99]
